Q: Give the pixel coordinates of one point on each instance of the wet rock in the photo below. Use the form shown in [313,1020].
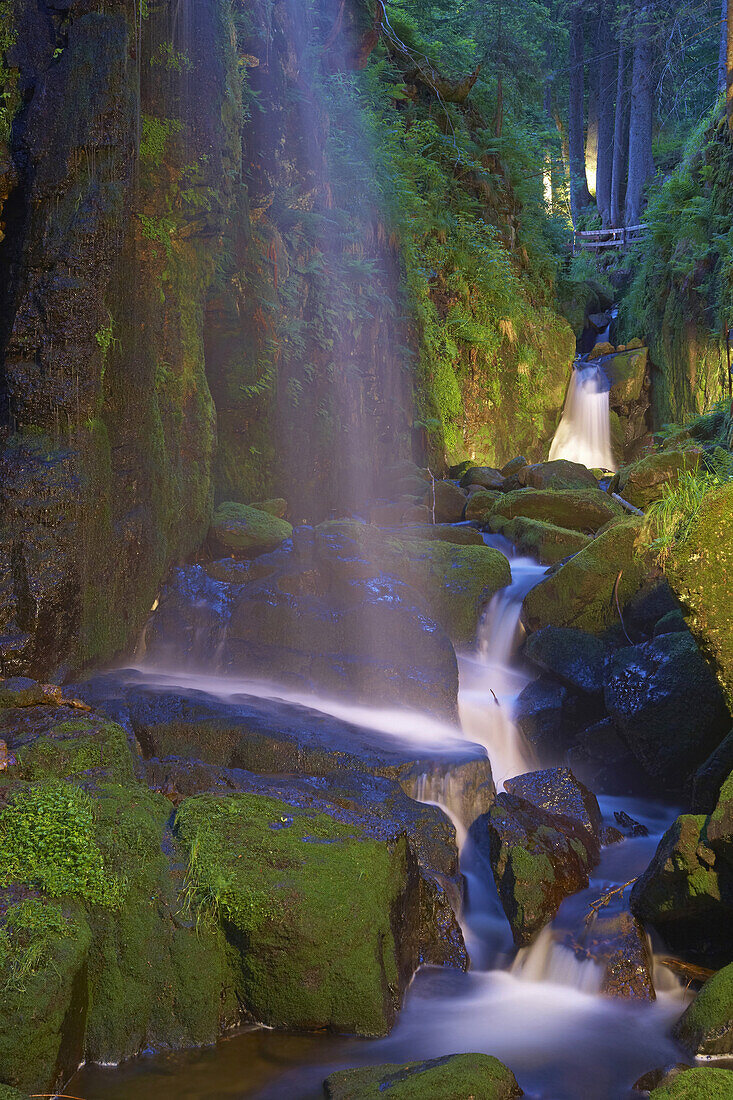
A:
[603,760]
[539,716]
[558,792]
[629,825]
[671,623]
[710,777]
[696,1083]
[457,1076]
[462,535]
[656,1077]
[575,509]
[645,481]
[484,476]
[611,835]
[648,606]
[687,890]
[512,468]
[20,691]
[558,474]
[268,736]
[699,571]
[573,657]
[583,592]
[445,502]
[538,859]
[480,506]
[543,541]
[244,529]
[706,1028]
[667,705]
[617,941]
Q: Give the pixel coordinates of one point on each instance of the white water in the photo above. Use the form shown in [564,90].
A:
[490,677]
[584,432]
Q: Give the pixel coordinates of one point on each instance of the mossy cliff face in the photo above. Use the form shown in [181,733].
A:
[680,295]
[127,169]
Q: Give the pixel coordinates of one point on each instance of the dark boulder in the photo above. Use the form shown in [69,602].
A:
[558,792]
[539,715]
[484,476]
[668,706]
[687,890]
[445,502]
[601,758]
[538,859]
[710,777]
[558,474]
[573,657]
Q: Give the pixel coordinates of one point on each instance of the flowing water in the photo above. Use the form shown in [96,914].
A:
[539,1011]
[584,432]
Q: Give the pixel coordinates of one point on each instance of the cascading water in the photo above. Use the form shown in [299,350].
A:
[584,432]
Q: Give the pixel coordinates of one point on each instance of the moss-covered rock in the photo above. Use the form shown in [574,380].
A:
[576,509]
[700,571]
[458,1076]
[707,1026]
[544,541]
[485,477]
[480,505]
[646,480]
[626,371]
[244,529]
[308,903]
[538,858]
[278,506]
[687,890]
[585,591]
[558,474]
[698,1083]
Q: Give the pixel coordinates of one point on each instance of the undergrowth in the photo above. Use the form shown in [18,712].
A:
[669,520]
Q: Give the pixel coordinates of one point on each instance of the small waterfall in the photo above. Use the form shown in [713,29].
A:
[491,678]
[546,960]
[584,433]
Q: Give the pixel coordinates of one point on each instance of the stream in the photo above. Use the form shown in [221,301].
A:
[539,1011]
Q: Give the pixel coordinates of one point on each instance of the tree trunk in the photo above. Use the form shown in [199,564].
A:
[591,138]
[620,144]
[729,63]
[723,52]
[606,84]
[579,193]
[641,161]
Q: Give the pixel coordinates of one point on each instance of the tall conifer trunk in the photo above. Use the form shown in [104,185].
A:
[620,137]
[579,193]
[606,85]
[641,161]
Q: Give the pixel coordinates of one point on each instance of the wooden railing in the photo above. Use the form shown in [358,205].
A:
[597,239]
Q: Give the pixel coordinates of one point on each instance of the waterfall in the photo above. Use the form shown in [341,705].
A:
[491,678]
[584,432]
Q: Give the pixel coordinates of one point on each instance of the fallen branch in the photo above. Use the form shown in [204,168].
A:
[625,504]
[618,606]
[689,971]
[605,898]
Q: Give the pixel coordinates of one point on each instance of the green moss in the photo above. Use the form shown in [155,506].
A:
[699,1083]
[573,509]
[699,569]
[585,591]
[42,993]
[460,1077]
[307,901]
[240,528]
[75,747]
[544,541]
[706,1028]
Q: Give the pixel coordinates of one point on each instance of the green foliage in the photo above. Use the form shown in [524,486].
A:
[156,133]
[172,60]
[669,520]
[9,100]
[48,841]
